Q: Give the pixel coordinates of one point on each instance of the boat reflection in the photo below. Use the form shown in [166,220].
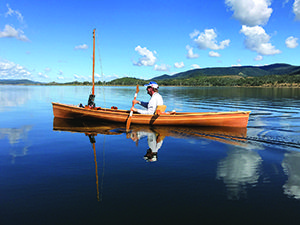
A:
[230,135]
[154,134]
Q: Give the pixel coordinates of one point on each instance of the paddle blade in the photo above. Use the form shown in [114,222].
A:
[131,112]
[128,123]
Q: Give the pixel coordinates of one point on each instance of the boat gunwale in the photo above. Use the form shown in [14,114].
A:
[177,114]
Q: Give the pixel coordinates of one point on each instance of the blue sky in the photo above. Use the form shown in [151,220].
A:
[52,40]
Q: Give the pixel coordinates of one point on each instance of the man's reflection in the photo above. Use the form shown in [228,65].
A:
[155,141]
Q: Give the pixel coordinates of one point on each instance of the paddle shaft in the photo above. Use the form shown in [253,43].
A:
[131,112]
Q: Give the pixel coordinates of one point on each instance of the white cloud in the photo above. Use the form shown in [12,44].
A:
[148,58]
[258,58]
[47,70]
[77,77]
[285,2]
[191,54]
[214,54]
[291,42]
[11,32]
[97,76]
[195,66]
[111,77]
[12,12]
[41,75]
[83,78]
[208,40]
[179,64]
[60,78]
[258,40]
[194,34]
[251,12]
[162,67]
[296,9]
[10,70]
[81,47]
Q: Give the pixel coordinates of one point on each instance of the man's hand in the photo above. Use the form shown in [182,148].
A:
[135,102]
[133,109]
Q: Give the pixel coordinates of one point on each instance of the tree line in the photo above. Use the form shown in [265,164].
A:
[269,80]
[205,81]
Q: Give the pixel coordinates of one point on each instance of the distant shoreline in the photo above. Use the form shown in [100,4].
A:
[284,85]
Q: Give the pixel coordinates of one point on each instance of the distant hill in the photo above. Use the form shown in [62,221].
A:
[252,75]
[245,71]
[23,81]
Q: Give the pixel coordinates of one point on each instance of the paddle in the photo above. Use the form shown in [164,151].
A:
[131,112]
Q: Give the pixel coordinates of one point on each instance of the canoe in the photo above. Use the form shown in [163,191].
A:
[206,119]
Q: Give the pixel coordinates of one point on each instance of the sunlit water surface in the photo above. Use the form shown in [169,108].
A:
[53,174]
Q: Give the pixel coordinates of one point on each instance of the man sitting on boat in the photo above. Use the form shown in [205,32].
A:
[156,99]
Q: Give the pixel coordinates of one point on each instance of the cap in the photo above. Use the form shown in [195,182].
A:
[152,84]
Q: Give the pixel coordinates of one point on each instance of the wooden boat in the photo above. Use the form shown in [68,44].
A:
[216,119]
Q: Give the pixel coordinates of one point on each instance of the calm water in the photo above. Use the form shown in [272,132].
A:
[58,172]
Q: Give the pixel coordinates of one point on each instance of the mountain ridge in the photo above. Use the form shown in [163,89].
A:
[279,69]
[246,71]
[18,81]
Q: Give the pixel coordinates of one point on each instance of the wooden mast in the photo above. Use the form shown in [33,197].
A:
[93,90]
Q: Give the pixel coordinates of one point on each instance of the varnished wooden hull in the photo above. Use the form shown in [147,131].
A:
[217,119]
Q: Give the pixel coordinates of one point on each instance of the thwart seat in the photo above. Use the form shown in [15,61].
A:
[160,109]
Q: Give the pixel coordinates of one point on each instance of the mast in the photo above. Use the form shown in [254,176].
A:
[91,102]
[93,90]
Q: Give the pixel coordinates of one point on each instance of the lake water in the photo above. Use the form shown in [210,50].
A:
[58,172]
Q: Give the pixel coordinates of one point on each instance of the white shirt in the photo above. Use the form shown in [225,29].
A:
[151,106]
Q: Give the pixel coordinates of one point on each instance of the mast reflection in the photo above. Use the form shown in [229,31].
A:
[93,141]
[91,132]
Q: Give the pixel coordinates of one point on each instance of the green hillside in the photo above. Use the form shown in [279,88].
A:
[271,75]
[23,81]
[245,71]
[275,75]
